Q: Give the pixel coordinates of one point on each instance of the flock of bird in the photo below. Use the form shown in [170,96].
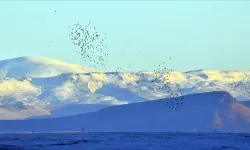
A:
[91,44]
[91,48]
[167,87]
[175,104]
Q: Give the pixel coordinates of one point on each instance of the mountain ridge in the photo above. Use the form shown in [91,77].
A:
[204,112]
[67,87]
[36,66]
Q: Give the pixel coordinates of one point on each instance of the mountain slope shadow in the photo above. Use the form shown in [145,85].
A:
[119,93]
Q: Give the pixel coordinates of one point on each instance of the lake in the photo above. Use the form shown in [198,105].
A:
[123,141]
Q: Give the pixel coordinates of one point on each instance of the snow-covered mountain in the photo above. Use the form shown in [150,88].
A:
[116,88]
[38,67]
[205,112]
[44,81]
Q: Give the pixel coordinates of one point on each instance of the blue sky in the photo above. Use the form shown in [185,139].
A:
[195,34]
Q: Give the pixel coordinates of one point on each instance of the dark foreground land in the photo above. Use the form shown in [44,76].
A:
[123,141]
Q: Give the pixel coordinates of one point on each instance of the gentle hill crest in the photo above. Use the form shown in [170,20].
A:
[35,67]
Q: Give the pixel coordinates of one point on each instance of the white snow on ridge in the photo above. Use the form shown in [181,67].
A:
[116,88]
[44,81]
[38,67]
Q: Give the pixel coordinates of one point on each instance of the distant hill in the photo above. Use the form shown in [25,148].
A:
[36,67]
[205,112]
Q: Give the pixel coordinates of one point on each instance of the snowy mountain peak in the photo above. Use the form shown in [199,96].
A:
[37,67]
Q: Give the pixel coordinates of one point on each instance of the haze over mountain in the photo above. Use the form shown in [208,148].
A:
[205,112]
[16,112]
[45,82]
